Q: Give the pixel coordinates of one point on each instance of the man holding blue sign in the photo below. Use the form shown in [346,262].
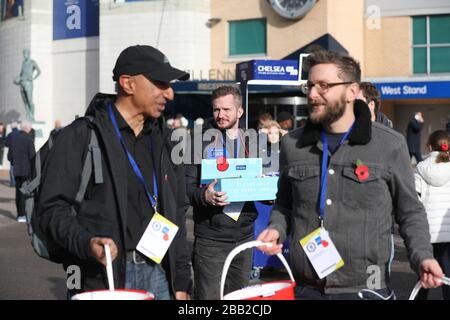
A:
[134,201]
[340,179]
[218,225]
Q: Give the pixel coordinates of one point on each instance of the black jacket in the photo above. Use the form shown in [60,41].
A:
[209,221]
[103,210]
[413,135]
[21,151]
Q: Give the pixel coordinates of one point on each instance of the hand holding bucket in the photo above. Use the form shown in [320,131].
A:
[113,294]
[279,290]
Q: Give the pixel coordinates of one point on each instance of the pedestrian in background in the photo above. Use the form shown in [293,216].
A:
[2,141]
[370,95]
[432,179]
[413,136]
[20,153]
[9,137]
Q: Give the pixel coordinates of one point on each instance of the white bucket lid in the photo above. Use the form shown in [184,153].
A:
[114,295]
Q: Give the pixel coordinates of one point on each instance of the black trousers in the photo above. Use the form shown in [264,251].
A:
[20,197]
[208,260]
[417,155]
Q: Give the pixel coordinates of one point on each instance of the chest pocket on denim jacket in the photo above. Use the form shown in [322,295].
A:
[362,194]
[305,182]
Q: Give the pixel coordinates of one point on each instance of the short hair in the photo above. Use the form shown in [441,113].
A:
[265,116]
[371,93]
[25,125]
[349,68]
[223,91]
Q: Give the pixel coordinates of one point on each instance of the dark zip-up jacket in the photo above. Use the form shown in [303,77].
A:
[102,213]
[209,221]
[358,214]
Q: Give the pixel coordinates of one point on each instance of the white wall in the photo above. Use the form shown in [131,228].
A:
[176,27]
[410,7]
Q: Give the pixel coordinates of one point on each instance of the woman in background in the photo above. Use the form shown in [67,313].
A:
[432,179]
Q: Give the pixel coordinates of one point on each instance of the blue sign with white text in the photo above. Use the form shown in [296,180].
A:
[75,19]
[285,70]
[414,90]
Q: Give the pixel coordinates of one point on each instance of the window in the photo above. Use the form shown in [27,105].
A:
[247,37]
[431,44]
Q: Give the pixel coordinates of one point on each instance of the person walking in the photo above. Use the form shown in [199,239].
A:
[9,138]
[432,177]
[413,136]
[340,178]
[141,185]
[20,153]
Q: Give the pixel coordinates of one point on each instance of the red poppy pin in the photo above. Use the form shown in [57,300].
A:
[444,147]
[361,171]
[222,164]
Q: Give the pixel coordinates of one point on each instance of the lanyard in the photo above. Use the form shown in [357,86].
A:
[324,171]
[236,151]
[153,199]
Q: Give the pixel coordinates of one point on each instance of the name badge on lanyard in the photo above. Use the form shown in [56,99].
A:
[318,246]
[160,231]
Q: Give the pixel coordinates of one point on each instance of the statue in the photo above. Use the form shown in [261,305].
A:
[29,72]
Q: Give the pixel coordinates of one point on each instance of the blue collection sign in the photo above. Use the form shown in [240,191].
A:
[414,90]
[75,19]
[285,70]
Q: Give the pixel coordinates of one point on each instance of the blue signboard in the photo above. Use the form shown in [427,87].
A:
[75,19]
[414,90]
[270,70]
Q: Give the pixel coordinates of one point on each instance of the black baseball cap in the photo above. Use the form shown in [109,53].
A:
[148,61]
[284,115]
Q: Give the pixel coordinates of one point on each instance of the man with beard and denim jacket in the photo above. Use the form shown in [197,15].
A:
[345,193]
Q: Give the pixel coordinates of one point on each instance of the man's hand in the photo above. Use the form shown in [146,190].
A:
[215,198]
[271,236]
[430,273]
[182,295]
[96,246]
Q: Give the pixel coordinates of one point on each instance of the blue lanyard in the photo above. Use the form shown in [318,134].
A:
[153,199]
[324,171]
[236,152]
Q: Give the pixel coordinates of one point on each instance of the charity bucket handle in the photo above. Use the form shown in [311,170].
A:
[109,270]
[445,281]
[242,247]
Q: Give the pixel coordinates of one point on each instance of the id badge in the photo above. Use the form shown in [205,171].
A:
[321,252]
[214,153]
[157,238]
[233,210]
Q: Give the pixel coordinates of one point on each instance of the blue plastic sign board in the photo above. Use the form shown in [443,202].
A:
[414,90]
[270,70]
[75,19]
[249,188]
[239,167]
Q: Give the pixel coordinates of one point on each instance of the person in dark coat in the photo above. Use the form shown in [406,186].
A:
[9,137]
[2,141]
[413,136]
[140,184]
[20,153]
[370,95]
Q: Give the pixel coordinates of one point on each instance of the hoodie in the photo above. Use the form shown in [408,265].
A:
[433,186]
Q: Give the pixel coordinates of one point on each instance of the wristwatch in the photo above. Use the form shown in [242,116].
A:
[292,9]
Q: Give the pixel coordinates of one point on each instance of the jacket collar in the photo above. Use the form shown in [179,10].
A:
[361,132]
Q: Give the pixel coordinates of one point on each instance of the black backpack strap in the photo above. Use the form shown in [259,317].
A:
[93,161]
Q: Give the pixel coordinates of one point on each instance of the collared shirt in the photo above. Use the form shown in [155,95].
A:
[139,209]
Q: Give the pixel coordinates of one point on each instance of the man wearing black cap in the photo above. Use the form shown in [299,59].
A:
[141,186]
[285,121]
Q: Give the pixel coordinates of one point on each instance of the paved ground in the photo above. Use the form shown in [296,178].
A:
[23,275]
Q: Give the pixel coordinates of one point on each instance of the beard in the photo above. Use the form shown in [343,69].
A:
[329,113]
